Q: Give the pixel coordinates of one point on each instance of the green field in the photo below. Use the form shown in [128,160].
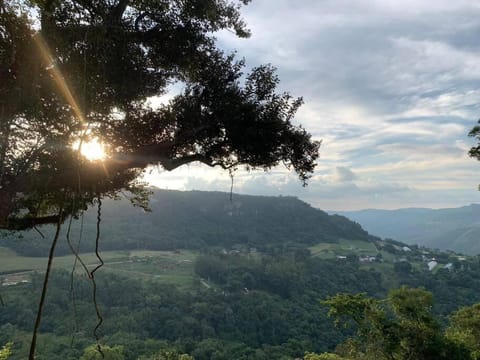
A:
[343,247]
[166,266]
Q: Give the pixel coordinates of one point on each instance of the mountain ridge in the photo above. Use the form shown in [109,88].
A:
[456,229]
[196,219]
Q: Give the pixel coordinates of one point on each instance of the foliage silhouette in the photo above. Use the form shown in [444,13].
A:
[73,71]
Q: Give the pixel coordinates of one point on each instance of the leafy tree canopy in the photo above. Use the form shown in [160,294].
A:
[95,352]
[80,70]
[5,351]
[475,150]
[401,326]
[465,328]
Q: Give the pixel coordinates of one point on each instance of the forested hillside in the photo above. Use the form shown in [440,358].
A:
[196,220]
[94,94]
[213,278]
[235,306]
[456,229]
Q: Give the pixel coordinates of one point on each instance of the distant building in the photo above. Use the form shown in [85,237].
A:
[449,266]
[432,265]
[406,248]
[14,282]
[341,257]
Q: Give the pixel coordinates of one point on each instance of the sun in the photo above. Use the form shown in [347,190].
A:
[93,150]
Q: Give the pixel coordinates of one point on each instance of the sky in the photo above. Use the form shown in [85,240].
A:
[391,87]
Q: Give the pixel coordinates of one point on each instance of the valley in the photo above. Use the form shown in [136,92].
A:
[456,229]
[204,275]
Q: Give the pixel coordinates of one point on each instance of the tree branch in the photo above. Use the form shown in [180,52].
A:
[171,164]
[30,222]
[119,10]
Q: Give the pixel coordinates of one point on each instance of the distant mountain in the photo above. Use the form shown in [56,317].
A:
[196,220]
[455,229]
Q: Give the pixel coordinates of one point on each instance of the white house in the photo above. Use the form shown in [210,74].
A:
[432,265]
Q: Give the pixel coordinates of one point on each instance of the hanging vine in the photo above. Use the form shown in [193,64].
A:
[75,252]
[73,71]
[92,275]
[43,295]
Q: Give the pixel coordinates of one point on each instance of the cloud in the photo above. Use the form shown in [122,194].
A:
[343,174]
[390,86]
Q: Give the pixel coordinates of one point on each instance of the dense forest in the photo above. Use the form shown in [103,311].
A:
[196,220]
[262,308]
[249,297]
[216,276]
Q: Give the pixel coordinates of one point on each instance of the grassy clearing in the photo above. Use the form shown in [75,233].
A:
[5,252]
[389,257]
[343,247]
[322,249]
[166,266]
[11,262]
[358,246]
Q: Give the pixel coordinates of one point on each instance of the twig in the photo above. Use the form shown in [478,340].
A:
[38,230]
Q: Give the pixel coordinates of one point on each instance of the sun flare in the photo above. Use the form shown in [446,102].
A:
[93,150]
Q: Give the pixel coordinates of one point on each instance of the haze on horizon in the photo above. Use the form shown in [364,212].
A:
[391,87]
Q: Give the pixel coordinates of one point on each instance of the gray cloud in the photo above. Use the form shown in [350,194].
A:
[391,86]
[376,55]
[343,174]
